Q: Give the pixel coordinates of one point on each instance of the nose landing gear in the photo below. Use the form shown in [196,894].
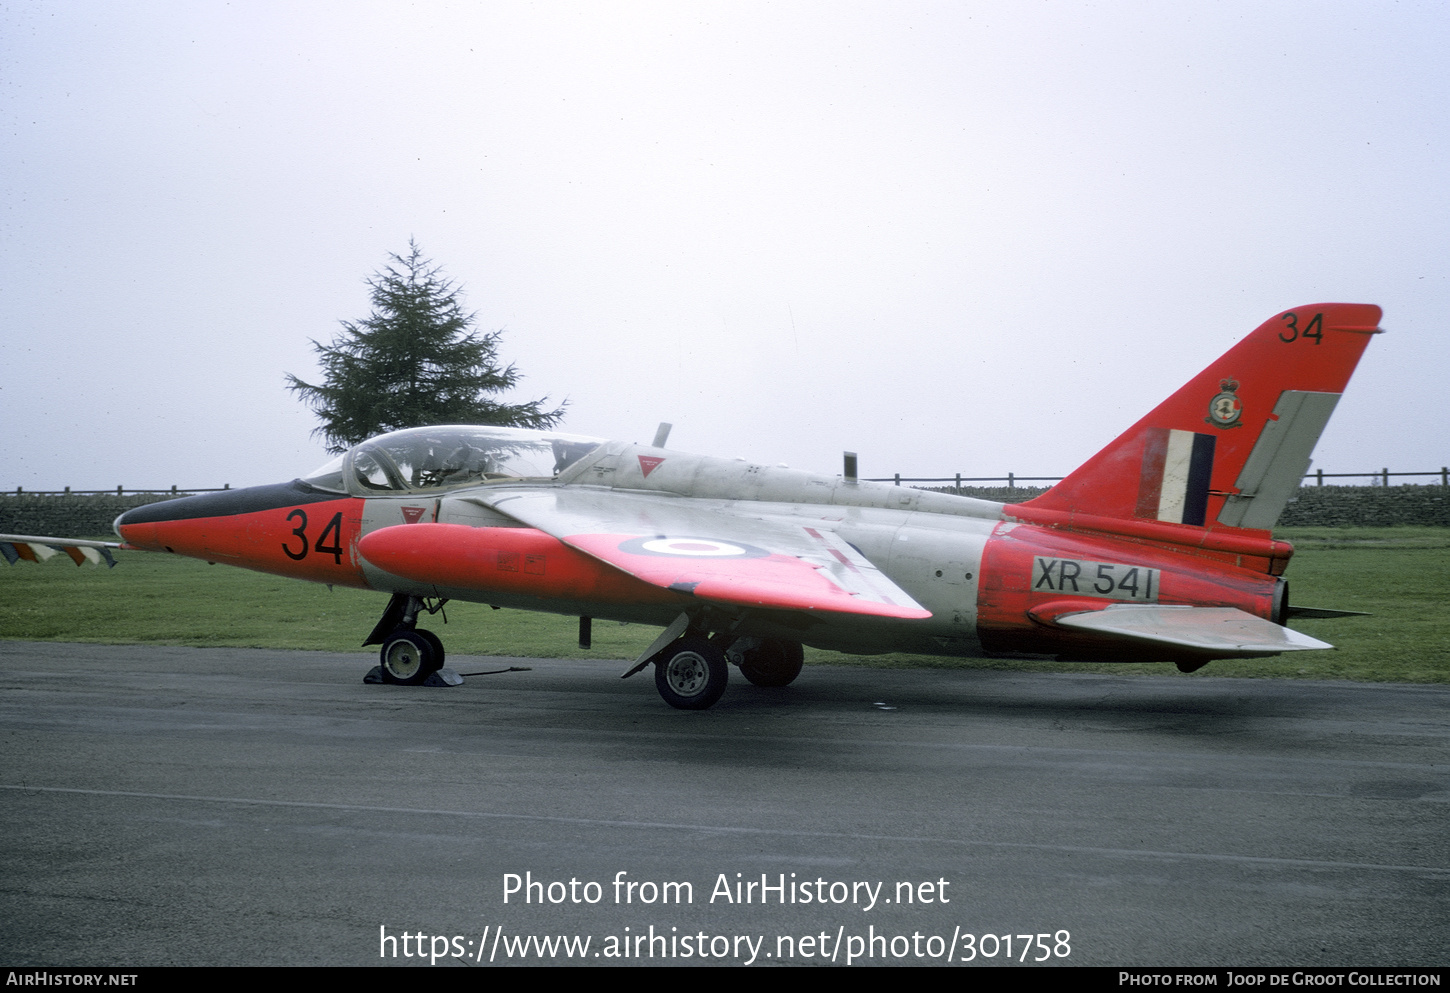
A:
[410,655]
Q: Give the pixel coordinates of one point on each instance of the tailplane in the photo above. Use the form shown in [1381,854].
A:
[1231,446]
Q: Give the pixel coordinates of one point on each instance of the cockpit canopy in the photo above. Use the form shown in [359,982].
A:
[450,456]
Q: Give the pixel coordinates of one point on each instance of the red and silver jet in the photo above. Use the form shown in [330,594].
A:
[1158,548]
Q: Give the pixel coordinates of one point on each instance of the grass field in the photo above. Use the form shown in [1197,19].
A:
[1401,576]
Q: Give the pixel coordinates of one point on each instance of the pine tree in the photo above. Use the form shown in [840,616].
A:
[414,362]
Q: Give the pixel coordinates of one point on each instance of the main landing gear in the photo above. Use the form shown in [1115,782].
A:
[410,654]
[692,671]
[768,663]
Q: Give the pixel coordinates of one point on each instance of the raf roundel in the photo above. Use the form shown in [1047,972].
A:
[691,547]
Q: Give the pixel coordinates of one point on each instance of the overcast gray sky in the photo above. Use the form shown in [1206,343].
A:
[976,237]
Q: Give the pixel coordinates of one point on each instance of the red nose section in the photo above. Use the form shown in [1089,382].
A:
[501,560]
[288,530]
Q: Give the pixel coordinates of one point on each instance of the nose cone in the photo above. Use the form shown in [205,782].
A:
[169,524]
[138,526]
[181,509]
[116,527]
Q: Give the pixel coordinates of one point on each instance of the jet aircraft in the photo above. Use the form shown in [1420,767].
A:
[1158,548]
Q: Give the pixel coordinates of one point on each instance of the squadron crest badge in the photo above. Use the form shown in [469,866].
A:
[1225,409]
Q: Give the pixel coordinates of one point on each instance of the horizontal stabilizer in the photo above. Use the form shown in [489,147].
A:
[1323,612]
[1218,632]
[32,548]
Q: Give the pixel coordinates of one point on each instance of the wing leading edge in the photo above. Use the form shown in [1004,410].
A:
[713,552]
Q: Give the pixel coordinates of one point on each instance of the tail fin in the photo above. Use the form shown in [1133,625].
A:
[1231,446]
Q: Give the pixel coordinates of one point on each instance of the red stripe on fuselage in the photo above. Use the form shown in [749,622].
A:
[314,541]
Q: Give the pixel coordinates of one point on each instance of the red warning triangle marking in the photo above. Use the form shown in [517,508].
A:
[413,514]
[649,463]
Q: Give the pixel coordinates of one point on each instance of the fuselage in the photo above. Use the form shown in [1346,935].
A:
[991,577]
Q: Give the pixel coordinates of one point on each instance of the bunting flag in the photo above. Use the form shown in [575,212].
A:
[16,547]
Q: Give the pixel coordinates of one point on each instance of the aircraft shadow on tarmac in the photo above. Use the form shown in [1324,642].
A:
[828,702]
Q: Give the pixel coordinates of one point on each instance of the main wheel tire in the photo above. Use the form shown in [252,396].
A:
[773,663]
[437,644]
[691,673]
[408,657]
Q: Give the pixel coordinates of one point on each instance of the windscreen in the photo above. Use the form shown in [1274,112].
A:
[451,456]
[329,477]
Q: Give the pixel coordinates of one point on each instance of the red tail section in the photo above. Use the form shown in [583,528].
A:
[1229,448]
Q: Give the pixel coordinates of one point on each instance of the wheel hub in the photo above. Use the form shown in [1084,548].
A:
[403,659]
[687,674]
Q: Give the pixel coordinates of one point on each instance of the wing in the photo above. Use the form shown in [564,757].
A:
[36,549]
[713,551]
[1221,632]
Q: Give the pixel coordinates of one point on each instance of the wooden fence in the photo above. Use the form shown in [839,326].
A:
[1380,478]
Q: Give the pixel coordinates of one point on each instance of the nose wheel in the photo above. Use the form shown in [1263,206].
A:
[408,658]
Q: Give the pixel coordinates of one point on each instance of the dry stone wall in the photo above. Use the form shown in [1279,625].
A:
[68,516]
[1315,506]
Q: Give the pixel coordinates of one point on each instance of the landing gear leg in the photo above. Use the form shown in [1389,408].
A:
[410,654]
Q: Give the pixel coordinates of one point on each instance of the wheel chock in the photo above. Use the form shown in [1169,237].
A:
[443,677]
